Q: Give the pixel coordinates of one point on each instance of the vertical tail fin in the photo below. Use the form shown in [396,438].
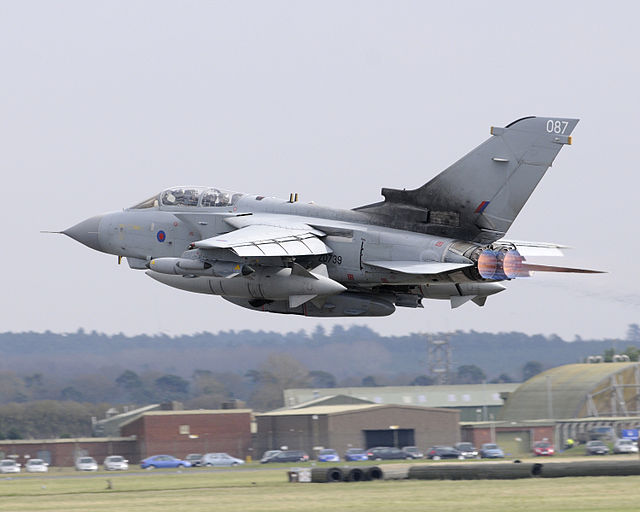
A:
[480,195]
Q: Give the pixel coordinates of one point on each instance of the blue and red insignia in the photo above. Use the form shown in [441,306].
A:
[482,206]
[161,236]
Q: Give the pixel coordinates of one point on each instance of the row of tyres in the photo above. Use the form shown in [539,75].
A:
[346,474]
[477,471]
[512,471]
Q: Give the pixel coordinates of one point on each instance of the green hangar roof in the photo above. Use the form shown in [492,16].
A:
[577,391]
[454,396]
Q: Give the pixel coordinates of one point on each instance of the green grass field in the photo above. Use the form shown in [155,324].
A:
[269,490]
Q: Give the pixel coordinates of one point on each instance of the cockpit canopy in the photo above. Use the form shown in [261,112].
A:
[203,197]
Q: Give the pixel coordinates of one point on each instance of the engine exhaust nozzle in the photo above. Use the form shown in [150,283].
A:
[488,264]
[512,264]
[500,265]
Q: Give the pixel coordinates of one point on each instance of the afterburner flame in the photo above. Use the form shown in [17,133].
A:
[488,264]
[512,264]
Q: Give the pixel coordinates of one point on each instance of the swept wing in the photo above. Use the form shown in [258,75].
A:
[256,240]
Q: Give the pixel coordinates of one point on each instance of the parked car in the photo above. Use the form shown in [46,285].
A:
[9,466]
[630,433]
[387,453]
[625,446]
[596,448]
[598,434]
[328,455]
[541,448]
[219,459]
[36,466]
[268,454]
[86,464]
[355,454]
[443,452]
[288,456]
[164,461]
[194,458]
[467,450]
[491,451]
[413,451]
[116,463]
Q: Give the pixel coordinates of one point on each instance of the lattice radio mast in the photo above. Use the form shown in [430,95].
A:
[439,356]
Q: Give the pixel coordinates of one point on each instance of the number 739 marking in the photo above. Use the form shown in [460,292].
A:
[331,258]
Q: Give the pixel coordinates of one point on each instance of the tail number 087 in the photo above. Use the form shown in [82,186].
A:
[556,126]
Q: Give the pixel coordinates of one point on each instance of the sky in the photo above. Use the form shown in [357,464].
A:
[103,104]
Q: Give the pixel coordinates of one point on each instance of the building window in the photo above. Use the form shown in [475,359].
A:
[184,429]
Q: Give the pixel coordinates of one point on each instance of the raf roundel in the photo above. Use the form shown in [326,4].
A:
[161,236]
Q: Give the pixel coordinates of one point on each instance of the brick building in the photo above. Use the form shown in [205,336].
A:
[515,438]
[181,432]
[63,452]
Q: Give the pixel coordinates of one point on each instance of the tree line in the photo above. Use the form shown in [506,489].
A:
[355,351]
[33,407]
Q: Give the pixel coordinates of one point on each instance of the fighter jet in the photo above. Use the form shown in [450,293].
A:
[443,240]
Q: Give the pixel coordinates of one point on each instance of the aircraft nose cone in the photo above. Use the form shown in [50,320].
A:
[86,232]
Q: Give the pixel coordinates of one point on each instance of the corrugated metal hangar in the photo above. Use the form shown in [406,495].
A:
[356,425]
[577,391]
[578,398]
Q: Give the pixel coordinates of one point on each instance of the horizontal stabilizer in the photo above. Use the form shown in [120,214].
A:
[537,248]
[418,267]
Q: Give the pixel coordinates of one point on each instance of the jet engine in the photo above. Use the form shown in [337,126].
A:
[501,261]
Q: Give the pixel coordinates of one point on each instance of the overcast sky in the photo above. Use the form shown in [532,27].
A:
[103,104]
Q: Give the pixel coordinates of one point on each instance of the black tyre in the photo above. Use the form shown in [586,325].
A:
[355,475]
[374,473]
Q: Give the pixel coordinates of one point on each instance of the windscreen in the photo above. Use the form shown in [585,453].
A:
[152,202]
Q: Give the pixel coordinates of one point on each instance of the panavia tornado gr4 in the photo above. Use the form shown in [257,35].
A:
[443,240]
